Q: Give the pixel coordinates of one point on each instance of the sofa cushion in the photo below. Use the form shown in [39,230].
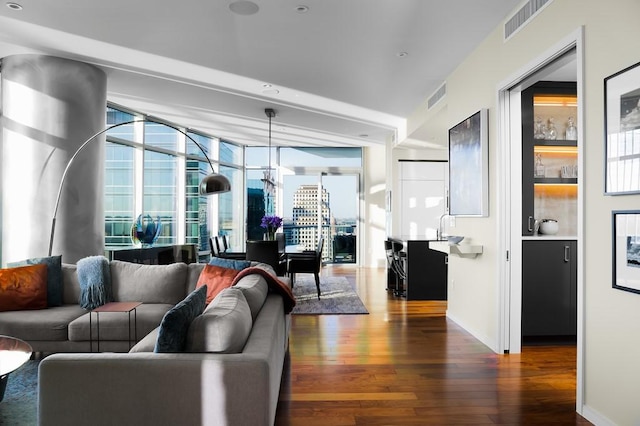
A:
[23,287]
[115,325]
[54,276]
[193,273]
[215,278]
[255,290]
[133,282]
[49,324]
[147,343]
[175,323]
[70,284]
[223,327]
[236,264]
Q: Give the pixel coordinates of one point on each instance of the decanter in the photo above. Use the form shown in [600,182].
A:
[539,167]
[571,133]
[539,130]
[551,133]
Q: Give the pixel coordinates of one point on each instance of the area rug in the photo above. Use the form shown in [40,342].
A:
[337,297]
[20,403]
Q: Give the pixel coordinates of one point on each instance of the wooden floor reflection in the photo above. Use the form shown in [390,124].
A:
[406,364]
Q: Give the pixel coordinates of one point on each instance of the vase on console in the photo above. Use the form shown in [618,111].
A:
[145,231]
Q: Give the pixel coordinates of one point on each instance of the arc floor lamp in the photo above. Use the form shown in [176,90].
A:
[213,183]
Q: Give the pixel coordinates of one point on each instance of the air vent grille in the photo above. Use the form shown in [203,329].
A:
[439,94]
[523,16]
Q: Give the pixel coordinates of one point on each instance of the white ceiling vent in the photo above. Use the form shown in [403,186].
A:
[437,95]
[523,16]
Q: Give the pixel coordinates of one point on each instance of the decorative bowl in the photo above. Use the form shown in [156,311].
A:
[454,239]
[548,226]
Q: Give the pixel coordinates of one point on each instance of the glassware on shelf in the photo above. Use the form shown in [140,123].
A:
[550,132]
[539,168]
[539,129]
[571,133]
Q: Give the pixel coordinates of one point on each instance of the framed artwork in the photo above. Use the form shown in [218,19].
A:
[626,250]
[622,131]
[469,166]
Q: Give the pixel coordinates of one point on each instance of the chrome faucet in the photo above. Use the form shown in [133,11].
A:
[440,230]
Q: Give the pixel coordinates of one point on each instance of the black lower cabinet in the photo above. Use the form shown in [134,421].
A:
[426,272]
[549,288]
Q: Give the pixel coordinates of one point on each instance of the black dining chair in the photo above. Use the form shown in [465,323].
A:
[224,251]
[306,262]
[266,251]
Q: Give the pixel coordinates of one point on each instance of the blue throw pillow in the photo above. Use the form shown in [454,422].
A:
[54,276]
[172,335]
[236,264]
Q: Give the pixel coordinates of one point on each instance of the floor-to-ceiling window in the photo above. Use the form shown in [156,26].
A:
[230,204]
[155,169]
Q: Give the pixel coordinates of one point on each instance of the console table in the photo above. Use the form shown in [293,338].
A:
[155,255]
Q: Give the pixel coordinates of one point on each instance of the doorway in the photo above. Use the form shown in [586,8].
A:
[567,54]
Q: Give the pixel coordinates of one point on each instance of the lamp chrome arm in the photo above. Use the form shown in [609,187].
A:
[213,183]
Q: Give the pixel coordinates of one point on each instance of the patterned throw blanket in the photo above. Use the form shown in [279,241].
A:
[274,284]
[94,276]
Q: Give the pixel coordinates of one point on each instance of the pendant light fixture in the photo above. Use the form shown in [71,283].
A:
[269,180]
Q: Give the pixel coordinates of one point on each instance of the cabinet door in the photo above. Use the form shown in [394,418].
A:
[549,288]
[541,195]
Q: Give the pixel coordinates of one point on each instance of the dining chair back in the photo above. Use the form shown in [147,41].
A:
[265,251]
[306,262]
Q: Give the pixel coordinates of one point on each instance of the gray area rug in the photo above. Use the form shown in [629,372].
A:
[338,296]
[20,404]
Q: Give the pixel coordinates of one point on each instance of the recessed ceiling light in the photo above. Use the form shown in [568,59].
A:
[14,6]
[244,7]
[402,54]
[266,85]
[302,8]
[363,135]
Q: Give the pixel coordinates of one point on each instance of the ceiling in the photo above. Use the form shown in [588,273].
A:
[337,72]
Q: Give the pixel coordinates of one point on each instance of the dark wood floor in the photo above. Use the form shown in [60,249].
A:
[406,364]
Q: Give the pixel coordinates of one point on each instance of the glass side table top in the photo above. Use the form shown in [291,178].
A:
[13,353]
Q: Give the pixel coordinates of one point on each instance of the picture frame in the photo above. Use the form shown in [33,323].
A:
[626,250]
[622,131]
[469,166]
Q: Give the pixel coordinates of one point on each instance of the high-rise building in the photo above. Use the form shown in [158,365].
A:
[306,204]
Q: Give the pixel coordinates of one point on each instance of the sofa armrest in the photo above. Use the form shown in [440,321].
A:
[149,388]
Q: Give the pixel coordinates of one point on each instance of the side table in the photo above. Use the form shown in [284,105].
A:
[13,354]
[124,307]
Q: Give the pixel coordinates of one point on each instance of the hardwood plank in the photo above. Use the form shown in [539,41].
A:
[406,364]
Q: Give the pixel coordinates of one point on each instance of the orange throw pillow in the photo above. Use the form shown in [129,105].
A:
[216,279]
[24,287]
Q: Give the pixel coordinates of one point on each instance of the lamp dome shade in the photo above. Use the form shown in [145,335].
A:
[214,184]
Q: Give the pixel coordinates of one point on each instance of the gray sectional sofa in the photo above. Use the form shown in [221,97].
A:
[229,373]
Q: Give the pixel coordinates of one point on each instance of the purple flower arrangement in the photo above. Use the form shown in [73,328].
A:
[271,224]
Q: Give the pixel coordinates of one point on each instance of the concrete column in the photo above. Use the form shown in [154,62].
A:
[50,106]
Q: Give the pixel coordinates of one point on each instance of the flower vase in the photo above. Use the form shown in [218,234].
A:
[270,235]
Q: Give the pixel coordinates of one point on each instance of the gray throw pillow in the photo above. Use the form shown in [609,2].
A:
[173,330]
[54,276]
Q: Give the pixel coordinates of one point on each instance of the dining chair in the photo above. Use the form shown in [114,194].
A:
[266,251]
[399,262]
[306,262]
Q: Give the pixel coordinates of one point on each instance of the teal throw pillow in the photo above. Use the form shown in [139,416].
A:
[172,335]
[236,264]
[54,276]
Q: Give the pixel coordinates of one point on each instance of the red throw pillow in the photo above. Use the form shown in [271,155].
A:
[24,287]
[216,279]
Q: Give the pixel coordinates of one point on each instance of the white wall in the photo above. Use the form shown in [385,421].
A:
[612,317]
[372,224]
